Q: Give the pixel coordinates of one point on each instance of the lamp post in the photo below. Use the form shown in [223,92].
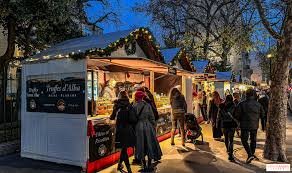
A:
[270,59]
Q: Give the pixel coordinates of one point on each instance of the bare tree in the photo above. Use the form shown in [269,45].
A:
[280,28]
[206,28]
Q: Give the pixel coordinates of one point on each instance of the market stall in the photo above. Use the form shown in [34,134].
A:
[68,92]
[203,81]
[177,57]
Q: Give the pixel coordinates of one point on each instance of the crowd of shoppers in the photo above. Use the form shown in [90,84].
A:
[136,122]
[239,112]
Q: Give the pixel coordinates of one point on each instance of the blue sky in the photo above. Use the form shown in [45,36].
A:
[128,18]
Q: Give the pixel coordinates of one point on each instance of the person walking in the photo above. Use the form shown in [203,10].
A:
[228,124]
[213,114]
[248,113]
[179,108]
[236,101]
[264,101]
[125,117]
[146,141]
[203,106]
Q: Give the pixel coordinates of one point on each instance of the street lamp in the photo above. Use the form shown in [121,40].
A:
[270,58]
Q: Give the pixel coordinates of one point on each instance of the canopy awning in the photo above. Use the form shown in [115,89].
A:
[142,64]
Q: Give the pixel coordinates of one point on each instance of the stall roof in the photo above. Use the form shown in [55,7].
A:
[102,45]
[169,54]
[200,65]
[223,76]
[83,43]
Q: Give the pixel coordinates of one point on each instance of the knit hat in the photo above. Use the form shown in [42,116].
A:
[139,95]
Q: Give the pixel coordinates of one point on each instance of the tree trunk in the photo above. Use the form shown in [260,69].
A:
[275,146]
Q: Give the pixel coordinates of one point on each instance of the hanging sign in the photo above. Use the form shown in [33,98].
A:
[60,93]
[172,70]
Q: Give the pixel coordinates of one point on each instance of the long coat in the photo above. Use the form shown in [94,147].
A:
[146,141]
[125,133]
[213,113]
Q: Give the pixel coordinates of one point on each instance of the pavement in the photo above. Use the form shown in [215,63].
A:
[207,157]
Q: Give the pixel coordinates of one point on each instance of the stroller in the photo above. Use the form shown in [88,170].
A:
[193,129]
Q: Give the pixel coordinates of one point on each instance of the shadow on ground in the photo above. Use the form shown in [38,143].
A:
[15,164]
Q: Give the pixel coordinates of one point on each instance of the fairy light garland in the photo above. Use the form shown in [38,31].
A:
[128,42]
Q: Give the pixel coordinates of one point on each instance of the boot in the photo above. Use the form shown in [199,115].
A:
[129,168]
[120,166]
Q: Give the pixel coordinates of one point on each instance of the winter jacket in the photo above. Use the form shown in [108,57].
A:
[146,141]
[226,115]
[248,114]
[264,101]
[125,132]
[178,105]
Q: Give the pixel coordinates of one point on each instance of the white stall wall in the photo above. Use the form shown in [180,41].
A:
[53,137]
[219,87]
[187,90]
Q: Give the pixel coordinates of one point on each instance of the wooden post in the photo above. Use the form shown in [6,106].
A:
[152,80]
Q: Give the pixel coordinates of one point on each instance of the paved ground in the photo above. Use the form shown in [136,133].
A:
[210,157]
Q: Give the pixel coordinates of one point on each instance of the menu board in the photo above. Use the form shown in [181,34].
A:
[102,144]
[57,93]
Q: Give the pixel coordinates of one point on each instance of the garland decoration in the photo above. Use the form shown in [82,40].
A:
[130,48]
[129,42]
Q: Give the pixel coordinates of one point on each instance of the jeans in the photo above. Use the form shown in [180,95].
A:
[175,121]
[228,139]
[249,148]
[264,123]
[204,111]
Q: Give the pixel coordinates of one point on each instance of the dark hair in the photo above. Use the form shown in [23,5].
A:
[228,99]
[174,92]
[123,95]
[250,93]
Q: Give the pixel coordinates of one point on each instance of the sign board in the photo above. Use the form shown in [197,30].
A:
[103,143]
[58,93]
[172,70]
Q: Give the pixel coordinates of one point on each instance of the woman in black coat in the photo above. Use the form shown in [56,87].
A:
[228,124]
[125,120]
[213,113]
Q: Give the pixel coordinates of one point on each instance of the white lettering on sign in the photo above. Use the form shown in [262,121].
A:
[53,89]
[97,141]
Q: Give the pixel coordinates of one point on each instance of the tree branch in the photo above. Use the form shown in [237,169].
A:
[265,22]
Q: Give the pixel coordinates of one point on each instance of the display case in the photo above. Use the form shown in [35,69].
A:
[104,107]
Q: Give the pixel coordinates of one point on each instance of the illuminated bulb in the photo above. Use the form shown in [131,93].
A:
[146,31]
[72,53]
[126,40]
[149,36]
[79,50]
